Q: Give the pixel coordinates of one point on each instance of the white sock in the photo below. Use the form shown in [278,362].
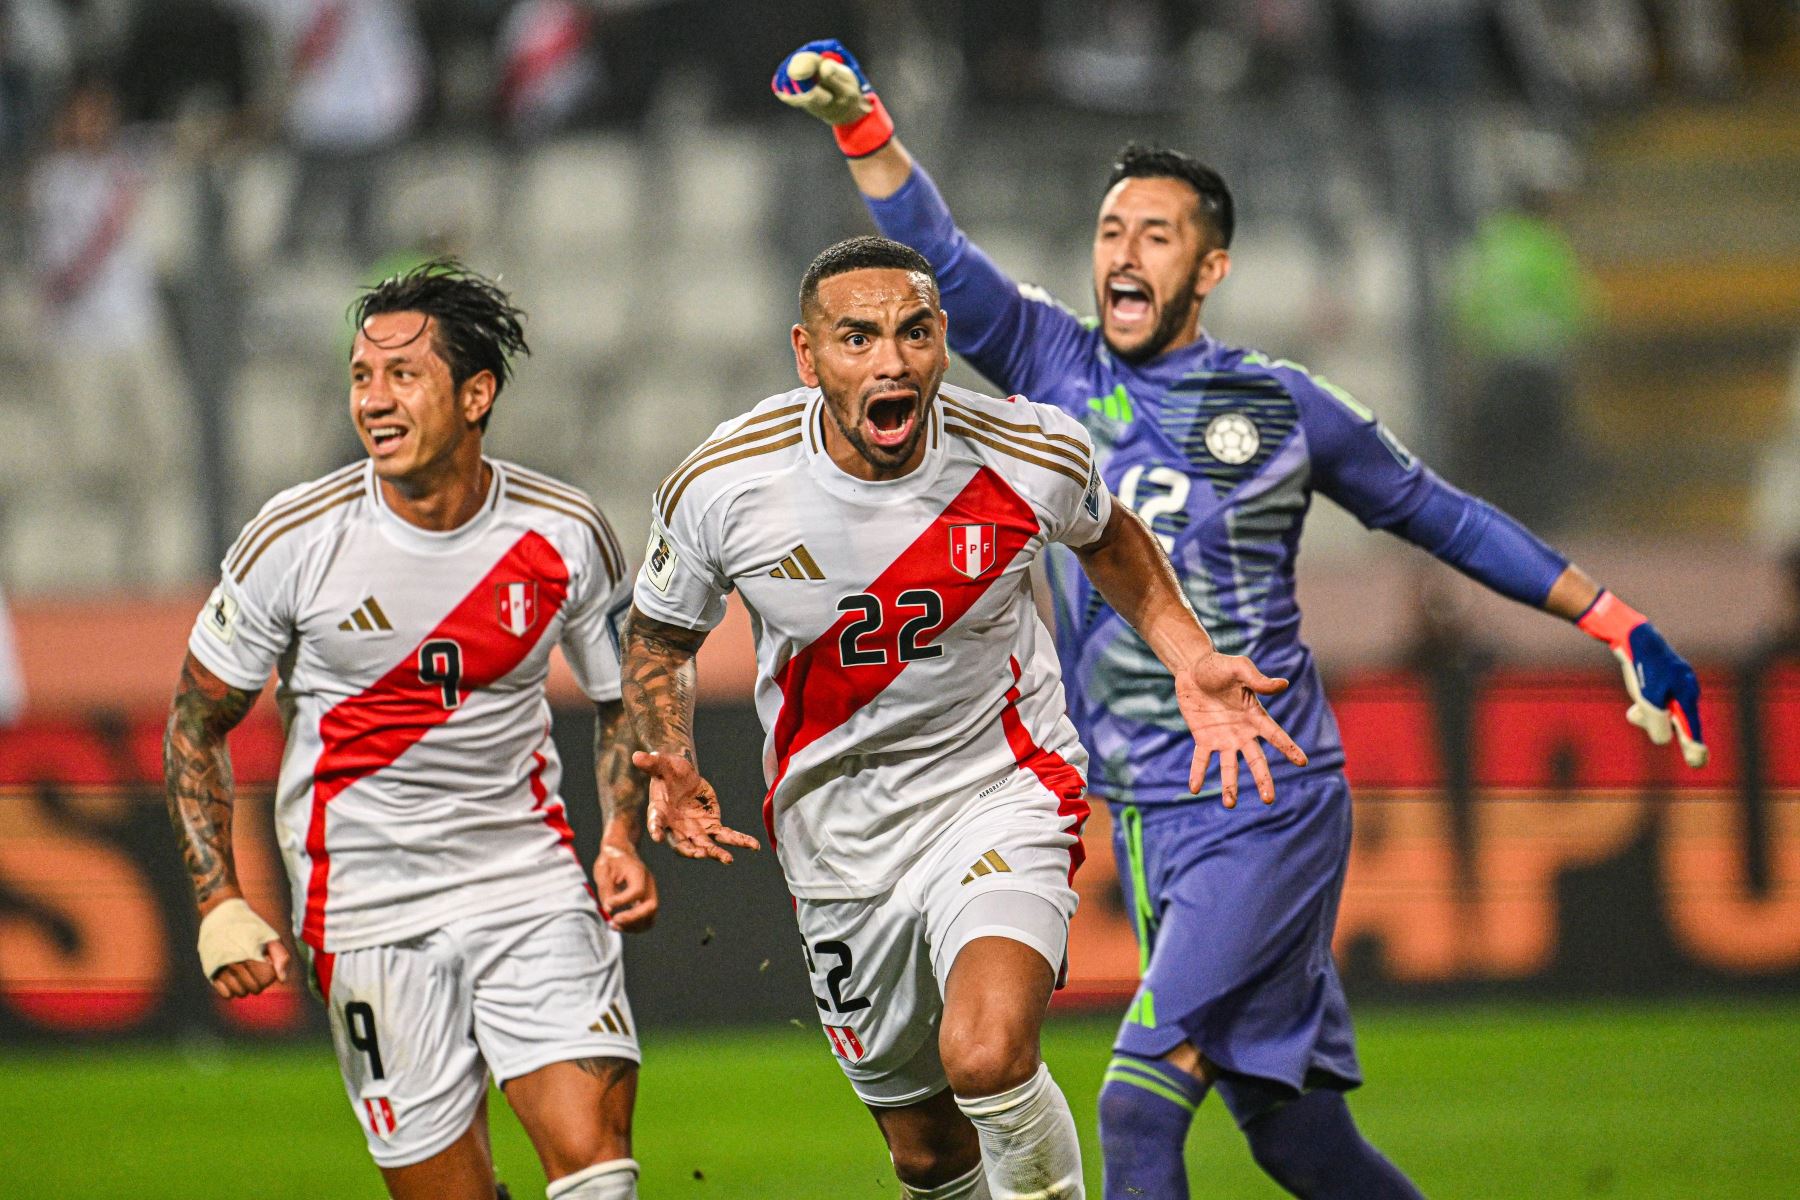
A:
[1028,1142]
[972,1186]
[615,1179]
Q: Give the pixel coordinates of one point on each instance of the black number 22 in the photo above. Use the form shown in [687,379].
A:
[928,614]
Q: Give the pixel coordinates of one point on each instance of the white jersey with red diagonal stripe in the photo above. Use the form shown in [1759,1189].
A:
[419,781]
[902,669]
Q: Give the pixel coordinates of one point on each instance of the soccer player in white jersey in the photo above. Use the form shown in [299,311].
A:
[410,603]
[925,787]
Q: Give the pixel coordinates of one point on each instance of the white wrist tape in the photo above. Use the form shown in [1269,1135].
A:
[232,933]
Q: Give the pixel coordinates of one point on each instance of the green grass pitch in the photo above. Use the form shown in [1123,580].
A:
[1676,1101]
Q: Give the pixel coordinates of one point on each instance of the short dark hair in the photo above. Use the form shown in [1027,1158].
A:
[478,326]
[864,253]
[1155,162]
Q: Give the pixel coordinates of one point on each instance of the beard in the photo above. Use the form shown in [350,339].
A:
[1169,325]
[882,458]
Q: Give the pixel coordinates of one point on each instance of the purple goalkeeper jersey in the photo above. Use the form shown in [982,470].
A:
[1219,450]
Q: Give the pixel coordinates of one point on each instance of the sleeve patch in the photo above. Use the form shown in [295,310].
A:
[1092,500]
[221,615]
[1395,447]
[659,562]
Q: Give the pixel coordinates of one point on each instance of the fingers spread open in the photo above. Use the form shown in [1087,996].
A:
[1197,773]
[1277,737]
[1259,770]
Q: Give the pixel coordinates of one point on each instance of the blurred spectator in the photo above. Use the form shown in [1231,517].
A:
[1521,301]
[356,74]
[1775,499]
[548,68]
[36,46]
[12,677]
[120,397]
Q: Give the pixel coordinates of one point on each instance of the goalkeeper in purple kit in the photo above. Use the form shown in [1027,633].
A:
[1219,449]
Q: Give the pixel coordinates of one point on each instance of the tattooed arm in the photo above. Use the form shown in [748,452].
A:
[659,701]
[627,889]
[197,776]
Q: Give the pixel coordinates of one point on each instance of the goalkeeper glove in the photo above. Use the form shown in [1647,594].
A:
[824,79]
[1665,695]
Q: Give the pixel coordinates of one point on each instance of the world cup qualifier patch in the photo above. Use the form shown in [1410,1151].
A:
[659,562]
[220,616]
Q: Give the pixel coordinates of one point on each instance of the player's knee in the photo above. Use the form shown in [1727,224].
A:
[985,1062]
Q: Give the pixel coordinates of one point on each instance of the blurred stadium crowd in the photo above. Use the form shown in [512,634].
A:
[1552,241]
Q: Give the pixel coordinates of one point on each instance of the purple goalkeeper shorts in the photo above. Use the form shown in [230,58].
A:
[1241,904]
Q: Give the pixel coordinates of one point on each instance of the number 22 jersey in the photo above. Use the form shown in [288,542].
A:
[419,781]
[902,670]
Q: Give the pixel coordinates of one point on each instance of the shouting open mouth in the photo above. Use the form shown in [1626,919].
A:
[889,417]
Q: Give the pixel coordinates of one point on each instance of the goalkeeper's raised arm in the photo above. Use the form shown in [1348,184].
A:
[1016,337]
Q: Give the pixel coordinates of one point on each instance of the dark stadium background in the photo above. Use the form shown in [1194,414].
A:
[1576,964]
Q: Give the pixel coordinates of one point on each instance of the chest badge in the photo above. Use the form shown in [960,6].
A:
[516,604]
[1232,439]
[972,549]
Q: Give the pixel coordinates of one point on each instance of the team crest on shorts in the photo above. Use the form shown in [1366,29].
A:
[845,1044]
[972,549]
[381,1116]
[516,604]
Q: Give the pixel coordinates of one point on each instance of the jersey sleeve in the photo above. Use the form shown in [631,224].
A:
[1077,511]
[1017,336]
[594,632]
[1361,465]
[681,582]
[246,623]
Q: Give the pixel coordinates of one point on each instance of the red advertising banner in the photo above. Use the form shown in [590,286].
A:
[1514,837]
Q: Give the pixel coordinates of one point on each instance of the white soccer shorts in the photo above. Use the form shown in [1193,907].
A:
[419,1024]
[879,965]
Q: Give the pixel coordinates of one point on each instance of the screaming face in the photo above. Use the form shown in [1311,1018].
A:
[1153,265]
[873,343]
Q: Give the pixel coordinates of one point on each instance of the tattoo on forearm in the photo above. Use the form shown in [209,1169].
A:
[623,788]
[197,775]
[659,683]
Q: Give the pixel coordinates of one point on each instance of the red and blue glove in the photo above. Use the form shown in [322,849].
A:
[1665,695]
[824,79]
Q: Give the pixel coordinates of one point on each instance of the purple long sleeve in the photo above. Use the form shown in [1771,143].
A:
[1018,337]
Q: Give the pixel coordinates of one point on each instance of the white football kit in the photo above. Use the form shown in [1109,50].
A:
[417,807]
[909,691]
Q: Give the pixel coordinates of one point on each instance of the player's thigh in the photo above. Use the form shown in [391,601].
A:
[577,1113]
[556,1028]
[930,1140]
[463,1170]
[876,997]
[400,1018]
[998,907]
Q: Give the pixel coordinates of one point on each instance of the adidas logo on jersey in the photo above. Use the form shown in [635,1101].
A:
[368,618]
[987,864]
[797,565]
[612,1021]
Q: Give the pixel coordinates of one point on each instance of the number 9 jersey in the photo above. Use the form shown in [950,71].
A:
[903,673]
[419,781]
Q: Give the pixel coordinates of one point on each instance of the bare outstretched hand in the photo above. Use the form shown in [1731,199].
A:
[1218,694]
